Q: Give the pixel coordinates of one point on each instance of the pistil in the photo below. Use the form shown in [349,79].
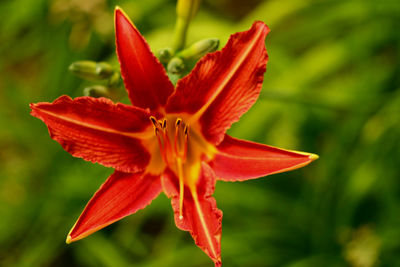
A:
[181,186]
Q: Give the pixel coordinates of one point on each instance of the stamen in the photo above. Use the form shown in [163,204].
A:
[180,140]
[176,139]
[167,147]
[173,149]
[154,121]
[161,145]
[185,142]
[181,186]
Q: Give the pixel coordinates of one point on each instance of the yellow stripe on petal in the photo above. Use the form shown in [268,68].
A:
[227,78]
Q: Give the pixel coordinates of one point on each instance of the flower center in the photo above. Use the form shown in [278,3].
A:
[182,149]
[172,137]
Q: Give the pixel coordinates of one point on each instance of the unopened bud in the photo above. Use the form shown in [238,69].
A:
[176,66]
[115,80]
[104,70]
[199,49]
[97,91]
[187,9]
[164,55]
[91,70]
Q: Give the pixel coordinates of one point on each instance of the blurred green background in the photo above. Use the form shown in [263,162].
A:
[331,87]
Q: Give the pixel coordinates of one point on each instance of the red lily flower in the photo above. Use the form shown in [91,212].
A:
[170,140]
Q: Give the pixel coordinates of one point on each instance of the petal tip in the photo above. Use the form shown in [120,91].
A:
[32,106]
[119,10]
[120,13]
[69,240]
[261,24]
[218,262]
[313,157]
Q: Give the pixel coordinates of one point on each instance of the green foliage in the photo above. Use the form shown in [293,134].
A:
[332,88]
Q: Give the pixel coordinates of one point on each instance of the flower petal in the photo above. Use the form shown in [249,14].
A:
[145,79]
[238,160]
[201,217]
[121,195]
[98,130]
[225,84]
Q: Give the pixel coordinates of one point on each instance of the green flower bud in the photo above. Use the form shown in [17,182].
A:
[187,9]
[97,91]
[115,80]
[91,70]
[164,55]
[176,66]
[104,70]
[199,49]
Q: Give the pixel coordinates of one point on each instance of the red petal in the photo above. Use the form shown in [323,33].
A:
[238,160]
[121,195]
[202,217]
[225,84]
[145,79]
[98,130]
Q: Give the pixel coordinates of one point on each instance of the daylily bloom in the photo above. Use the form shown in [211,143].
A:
[170,140]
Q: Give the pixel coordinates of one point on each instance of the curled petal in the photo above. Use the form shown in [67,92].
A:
[238,160]
[201,217]
[121,195]
[145,79]
[225,84]
[98,130]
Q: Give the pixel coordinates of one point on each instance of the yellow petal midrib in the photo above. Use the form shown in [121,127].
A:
[226,79]
[146,134]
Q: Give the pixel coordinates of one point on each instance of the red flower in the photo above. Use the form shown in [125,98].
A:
[170,140]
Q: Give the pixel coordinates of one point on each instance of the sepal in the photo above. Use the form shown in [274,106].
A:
[144,76]
[98,130]
[239,160]
[121,195]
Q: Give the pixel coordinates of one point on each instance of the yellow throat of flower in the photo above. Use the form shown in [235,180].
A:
[180,148]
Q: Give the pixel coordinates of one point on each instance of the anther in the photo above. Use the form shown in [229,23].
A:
[176,140]
[164,123]
[185,141]
[154,121]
